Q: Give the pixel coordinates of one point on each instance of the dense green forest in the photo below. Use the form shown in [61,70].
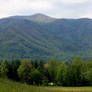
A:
[53,72]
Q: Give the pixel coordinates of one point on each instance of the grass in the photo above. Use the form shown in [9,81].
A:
[10,86]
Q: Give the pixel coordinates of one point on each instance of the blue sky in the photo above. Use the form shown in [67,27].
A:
[54,8]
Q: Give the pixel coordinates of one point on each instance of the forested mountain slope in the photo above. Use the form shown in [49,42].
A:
[42,37]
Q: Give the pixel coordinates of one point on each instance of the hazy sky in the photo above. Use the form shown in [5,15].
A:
[54,8]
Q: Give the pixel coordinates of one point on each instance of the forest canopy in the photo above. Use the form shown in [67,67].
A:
[53,72]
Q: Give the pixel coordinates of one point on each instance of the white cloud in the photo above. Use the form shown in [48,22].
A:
[11,7]
[73,1]
[87,16]
[56,8]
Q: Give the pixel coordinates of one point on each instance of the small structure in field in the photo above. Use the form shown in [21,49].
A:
[51,84]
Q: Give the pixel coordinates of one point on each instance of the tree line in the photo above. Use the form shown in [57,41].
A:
[53,72]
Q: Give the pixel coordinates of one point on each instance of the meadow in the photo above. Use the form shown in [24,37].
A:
[11,86]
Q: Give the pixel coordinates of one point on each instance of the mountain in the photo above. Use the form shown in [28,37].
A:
[42,37]
[40,18]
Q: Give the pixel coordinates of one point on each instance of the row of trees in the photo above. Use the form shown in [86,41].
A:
[76,73]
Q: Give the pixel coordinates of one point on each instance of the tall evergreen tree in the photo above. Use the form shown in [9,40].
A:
[4,69]
[36,77]
[61,74]
[52,69]
[24,71]
[74,72]
[89,73]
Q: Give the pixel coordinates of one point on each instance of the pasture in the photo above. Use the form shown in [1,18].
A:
[10,86]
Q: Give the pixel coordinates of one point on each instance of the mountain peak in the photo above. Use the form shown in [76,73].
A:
[40,14]
[41,18]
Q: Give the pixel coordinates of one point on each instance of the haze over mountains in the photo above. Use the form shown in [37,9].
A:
[42,37]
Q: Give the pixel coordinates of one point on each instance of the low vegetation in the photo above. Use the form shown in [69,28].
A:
[11,86]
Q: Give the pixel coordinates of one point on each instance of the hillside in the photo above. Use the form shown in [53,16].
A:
[42,37]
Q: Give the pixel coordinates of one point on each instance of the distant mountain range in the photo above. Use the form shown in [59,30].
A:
[42,37]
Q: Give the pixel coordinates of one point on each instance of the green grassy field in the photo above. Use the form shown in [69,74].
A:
[10,86]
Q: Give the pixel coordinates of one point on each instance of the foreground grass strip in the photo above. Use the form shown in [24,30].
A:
[10,86]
